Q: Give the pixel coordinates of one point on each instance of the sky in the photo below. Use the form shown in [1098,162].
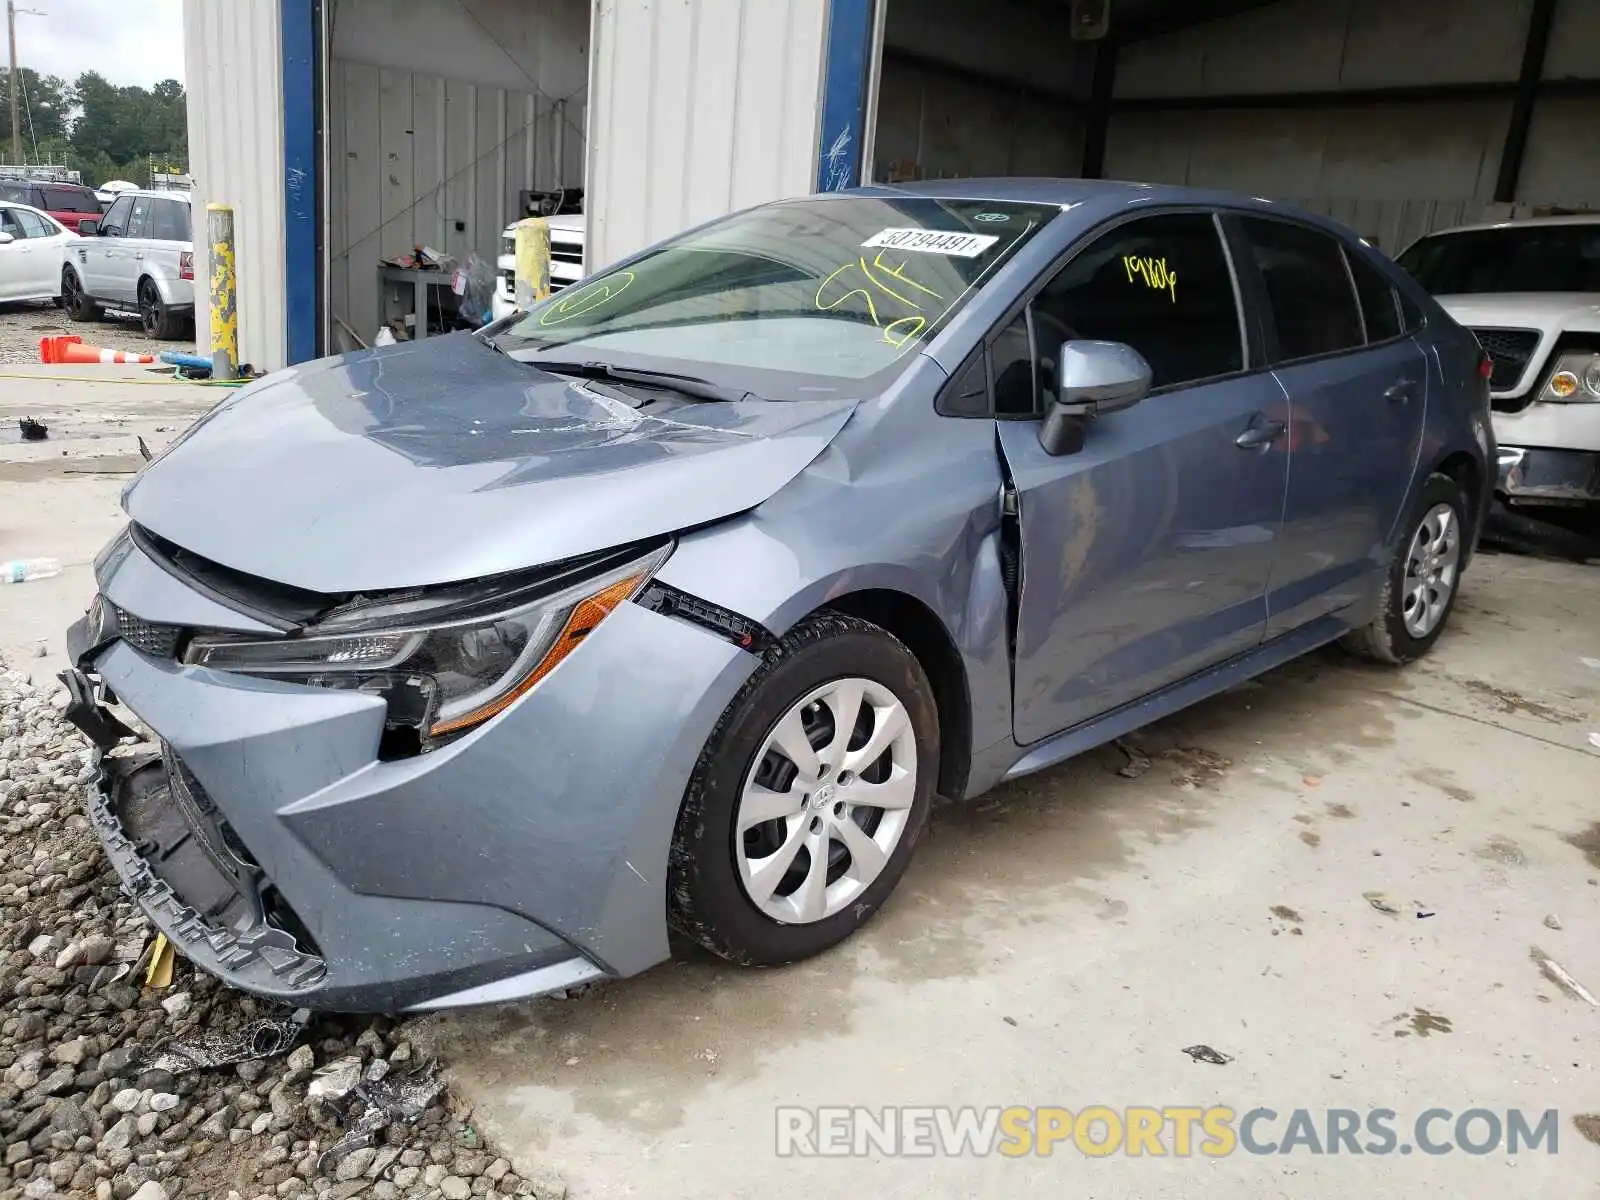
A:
[127,41]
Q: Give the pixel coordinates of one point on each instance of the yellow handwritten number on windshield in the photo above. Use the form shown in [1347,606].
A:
[583,300]
[1154,272]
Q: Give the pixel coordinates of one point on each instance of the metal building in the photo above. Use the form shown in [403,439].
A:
[343,130]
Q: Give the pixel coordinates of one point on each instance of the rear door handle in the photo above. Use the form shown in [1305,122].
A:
[1400,391]
[1261,435]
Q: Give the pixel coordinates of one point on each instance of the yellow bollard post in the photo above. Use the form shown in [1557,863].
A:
[533,262]
[224,293]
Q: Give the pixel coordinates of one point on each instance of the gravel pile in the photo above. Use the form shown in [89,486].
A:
[80,1112]
[22,325]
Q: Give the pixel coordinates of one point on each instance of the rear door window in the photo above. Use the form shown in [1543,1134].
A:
[33,225]
[1309,294]
[14,193]
[139,221]
[169,221]
[1380,306]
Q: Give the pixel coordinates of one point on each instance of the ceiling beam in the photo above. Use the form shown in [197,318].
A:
[1179,18]
[1516,143]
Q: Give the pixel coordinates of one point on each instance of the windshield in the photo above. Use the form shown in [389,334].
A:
[800,298]
[1525,258]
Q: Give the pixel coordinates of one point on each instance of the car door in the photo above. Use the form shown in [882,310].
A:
[1357,391]
[169,238]
[128,263]
[42,256]
[15,258]
[97,255]
[1146,554]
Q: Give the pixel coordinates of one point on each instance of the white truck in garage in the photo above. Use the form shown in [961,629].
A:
[1530,291]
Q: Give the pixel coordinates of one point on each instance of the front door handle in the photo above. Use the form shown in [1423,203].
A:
[1261,435]
[1400,391]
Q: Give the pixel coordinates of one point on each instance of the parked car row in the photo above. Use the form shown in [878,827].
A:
[138,257]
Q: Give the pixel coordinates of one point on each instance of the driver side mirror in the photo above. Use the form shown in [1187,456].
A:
[88,228]
[1092,379]
[5,238]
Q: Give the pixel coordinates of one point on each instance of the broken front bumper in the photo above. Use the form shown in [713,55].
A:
[258,827]
[1539,476]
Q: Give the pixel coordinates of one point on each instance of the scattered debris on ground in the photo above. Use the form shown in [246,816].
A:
[1205,1054]
[1138,761]
[120,1091]
[1557,974]
[1381,902]
[33,431]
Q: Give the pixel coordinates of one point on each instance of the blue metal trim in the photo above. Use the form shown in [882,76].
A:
[301,176]
[844,94]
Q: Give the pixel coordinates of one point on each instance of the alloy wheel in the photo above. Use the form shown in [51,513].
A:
[827,801]
[1432,569]
[149,309]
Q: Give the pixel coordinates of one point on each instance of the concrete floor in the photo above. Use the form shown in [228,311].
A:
[1217,899]
[1061,940]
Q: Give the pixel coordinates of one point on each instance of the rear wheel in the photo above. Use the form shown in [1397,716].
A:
[154,316]
[78,304]
[809,797]
[1424,577]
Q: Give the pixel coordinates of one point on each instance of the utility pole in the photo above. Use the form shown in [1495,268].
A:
[16,111]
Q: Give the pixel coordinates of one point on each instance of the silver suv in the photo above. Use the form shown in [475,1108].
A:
[139,258]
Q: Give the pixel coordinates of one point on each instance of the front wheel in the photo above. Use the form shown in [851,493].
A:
[1424,577]
[809,797]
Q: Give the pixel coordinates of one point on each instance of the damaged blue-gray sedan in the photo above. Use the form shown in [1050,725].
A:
[467,670]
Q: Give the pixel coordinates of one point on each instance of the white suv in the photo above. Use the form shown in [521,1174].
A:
[139,257]
[566,261]
[1530,291]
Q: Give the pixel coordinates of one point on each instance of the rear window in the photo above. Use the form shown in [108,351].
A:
[1308,288]
[1512,258]
[169,221]
[75,200]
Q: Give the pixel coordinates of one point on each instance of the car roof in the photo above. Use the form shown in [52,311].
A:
[1528,222]
[166,195]
[1102,196]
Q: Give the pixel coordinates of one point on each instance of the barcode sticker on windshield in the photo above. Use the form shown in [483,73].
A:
[932,241]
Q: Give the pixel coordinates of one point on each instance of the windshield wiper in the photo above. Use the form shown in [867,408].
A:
[685,385]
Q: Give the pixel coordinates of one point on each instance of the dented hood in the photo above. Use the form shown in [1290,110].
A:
[446,461]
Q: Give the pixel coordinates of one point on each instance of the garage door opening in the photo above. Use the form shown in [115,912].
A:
[446,120]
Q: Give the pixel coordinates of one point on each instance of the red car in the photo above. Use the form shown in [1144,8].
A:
[69,203]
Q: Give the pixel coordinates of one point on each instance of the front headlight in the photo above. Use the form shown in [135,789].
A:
[442,671]
[1575,379]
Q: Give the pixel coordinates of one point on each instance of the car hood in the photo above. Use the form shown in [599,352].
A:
[1548,311]
[446,460]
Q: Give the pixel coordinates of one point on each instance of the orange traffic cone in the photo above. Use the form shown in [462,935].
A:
[50,347]
[77,352]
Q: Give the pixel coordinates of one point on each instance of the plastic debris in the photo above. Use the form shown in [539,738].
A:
[1138,761]
[394,1099]
[1380,902]
[23,570]
[1556,974]
[33,431]
[1594,740]
[158,974]
[1592,663]
[336,1080]
[260,1039]
[1552,922]
[1205,1054]
[144,450]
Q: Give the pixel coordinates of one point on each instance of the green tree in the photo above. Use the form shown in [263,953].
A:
[45,102]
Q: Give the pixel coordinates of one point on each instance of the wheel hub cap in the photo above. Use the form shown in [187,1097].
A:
[826,801]
[1431,569]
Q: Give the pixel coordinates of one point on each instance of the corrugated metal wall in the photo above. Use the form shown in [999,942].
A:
[1393,169]
[697,108]
[234,67]
[440,113]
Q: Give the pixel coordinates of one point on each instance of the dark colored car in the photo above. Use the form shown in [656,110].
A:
[473,665]
[69,203]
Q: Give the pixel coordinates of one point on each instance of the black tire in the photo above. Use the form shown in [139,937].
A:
[1526,534]
[79,305]
[1386,639]
[157,321]
[706,900]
